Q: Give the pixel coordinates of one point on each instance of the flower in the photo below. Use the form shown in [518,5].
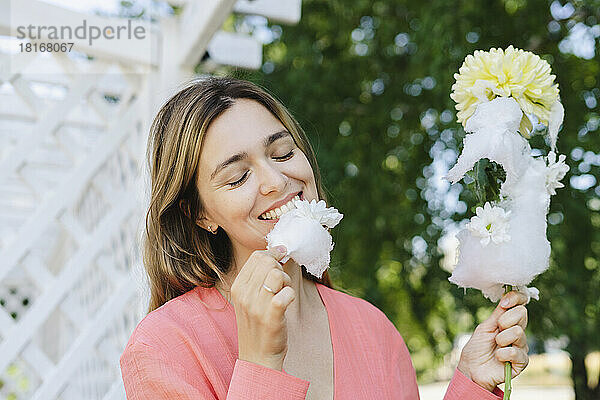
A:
[490,223]
[555,171]
[514,73]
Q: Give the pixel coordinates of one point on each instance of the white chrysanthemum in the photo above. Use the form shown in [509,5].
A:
[490,223]
[302,233]
[555,172]
[514,73]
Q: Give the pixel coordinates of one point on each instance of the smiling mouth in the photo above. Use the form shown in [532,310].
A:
[273,215]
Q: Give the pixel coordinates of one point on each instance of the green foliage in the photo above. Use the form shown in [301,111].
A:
[370,82]
[485,181]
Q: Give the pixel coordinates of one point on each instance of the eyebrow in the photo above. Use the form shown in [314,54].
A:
[243,155]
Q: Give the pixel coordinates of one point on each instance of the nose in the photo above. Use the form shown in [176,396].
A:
[271,179]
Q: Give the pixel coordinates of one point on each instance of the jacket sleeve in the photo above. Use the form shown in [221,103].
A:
[149,374]
[462,388]
[254,381]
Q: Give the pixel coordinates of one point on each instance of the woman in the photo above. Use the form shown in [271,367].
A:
[227,320]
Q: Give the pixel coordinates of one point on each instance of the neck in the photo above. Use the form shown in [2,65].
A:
[303,288]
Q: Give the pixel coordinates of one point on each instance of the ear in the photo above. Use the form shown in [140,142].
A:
[207,224]
[184,206]
[203,222]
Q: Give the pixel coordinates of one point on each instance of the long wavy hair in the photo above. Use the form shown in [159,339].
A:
[178,254]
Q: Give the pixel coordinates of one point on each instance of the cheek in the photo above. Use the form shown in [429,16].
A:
[302,168]
[305,174]
[237,203]
[229,206]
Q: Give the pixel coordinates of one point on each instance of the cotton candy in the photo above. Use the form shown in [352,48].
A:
[302,233]
[557,113]
[494,125]
[525,196]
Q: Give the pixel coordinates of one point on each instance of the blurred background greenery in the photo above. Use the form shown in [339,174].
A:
[370,81]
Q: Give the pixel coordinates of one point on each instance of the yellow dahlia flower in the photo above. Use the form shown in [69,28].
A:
[514,73]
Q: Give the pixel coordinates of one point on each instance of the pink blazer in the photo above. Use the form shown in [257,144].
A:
[187,349]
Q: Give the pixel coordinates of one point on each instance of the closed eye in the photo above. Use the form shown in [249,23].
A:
[287,156]
[239,181]
[245,176]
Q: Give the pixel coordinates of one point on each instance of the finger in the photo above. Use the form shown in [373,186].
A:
[515,316]
[512,299]
[491,323]
[512,336]
[507,301]
[516,356]
[277,252]
[265,263]
[276,279]
[282,300]
[247,271]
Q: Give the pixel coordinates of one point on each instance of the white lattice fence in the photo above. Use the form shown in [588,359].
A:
[73,130]
[69,174]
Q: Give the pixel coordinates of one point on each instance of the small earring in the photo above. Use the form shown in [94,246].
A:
[211,230]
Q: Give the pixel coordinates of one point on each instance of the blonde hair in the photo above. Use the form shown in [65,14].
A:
[178,254]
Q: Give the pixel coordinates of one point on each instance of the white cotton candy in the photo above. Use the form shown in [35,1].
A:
[524,256]
[494,125]
[302,233]
[557,114]
[519,260]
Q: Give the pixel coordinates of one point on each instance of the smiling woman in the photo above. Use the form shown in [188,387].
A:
[263,170]
[227,319]
[204,143]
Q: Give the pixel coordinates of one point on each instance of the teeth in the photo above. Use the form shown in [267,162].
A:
[279,211]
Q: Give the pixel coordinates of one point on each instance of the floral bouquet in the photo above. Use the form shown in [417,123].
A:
[504,246]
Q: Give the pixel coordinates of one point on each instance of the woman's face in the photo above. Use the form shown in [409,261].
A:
[250,164]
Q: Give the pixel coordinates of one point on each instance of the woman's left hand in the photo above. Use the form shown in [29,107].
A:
[498,339]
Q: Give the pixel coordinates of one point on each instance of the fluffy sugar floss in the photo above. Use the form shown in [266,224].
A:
[493,126]
[303,232]
[505,243]
[308,243]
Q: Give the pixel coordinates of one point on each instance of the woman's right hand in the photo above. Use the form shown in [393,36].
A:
[260,314]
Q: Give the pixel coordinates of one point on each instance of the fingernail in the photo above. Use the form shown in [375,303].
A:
[281,249]
[504,302]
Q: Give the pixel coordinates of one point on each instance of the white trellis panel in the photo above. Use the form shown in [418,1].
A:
[284,11]
[73,130]
[20,13]
[204,17]
[234,49]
